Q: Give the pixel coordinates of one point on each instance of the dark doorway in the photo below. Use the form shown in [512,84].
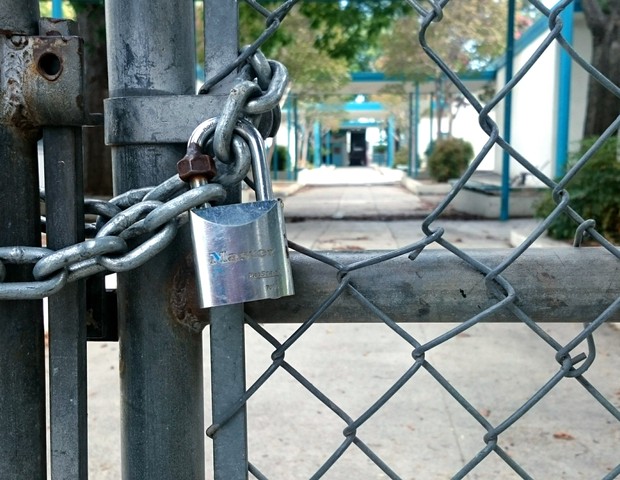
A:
[358,148]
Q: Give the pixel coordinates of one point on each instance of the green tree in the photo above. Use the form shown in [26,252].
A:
[318,42]
[347,31]
[470,35]
[351,30]
[315,74]
[315,77]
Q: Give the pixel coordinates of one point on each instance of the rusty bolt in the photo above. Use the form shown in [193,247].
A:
[196,164]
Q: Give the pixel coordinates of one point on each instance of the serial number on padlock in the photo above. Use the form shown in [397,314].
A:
[264,274]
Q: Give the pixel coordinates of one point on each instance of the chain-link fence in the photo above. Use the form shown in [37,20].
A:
[572,364]
[161,361]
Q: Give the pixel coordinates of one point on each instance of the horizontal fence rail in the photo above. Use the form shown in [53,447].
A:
[439,287]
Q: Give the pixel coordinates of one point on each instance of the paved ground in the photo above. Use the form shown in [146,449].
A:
[378,212]
[360,202]
[422,433]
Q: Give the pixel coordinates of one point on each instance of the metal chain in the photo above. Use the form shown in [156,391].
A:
[247,99]
[135,226]
[109,250]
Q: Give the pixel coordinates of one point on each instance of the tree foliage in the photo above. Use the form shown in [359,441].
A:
[594,193]
[314,72]
[350,30]
[470,35]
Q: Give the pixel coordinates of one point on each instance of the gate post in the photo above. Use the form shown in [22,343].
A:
[151,52]
[22,371]
[230,444]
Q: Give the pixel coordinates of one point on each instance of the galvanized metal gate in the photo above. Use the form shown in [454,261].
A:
[151,112]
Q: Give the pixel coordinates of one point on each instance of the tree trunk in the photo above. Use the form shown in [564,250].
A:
[603,106]
[97,159]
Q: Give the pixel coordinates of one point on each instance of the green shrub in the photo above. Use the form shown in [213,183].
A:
[449,158]
[429,148]
[401,157]
[380,148]
[594,193]
[282,153]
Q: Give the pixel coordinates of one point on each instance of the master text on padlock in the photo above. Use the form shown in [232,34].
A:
[225,257]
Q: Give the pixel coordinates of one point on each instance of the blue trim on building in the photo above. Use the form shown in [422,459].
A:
[318,144]
[564,96]
[57,9]
[488,74]
[391,137]
[364,106]
[538,28]
[348,124]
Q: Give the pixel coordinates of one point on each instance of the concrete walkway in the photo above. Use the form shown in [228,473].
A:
[422,432]
[383,210]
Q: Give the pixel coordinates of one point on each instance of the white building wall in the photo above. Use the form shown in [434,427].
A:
[467,127]
[535,103]
[582,43]
[534,108]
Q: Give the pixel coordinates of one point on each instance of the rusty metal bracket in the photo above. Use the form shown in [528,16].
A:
[41,82]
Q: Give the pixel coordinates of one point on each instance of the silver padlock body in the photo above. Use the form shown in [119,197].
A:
[241,253]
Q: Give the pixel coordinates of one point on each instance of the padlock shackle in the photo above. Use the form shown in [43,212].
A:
[252,137]
[260,173]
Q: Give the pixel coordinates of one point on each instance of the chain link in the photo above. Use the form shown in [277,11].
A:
[109,250]
[150,217]
[248,99]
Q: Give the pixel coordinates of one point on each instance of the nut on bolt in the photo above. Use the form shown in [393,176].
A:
[196,164]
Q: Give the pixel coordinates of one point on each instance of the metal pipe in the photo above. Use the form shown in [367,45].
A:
[328,147]
[64,202]
[230,444]
[56,8]
[564,94]
[150,48]
[416,129]
[440,287]
[289,126]
[22,354]
[504,213]
[410,160]
[430,122]
[391,142]
[295,140]
[22,365]
[66,317]
[317,144]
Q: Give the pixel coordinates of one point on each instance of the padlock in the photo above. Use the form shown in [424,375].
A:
[240,250]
